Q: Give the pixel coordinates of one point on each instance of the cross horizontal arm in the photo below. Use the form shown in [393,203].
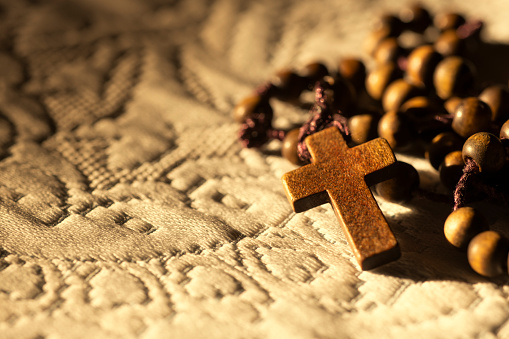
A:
[305,188]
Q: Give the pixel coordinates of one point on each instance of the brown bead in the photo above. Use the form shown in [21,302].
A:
[419,107]
[313,72]
[487,254]
[397,93]
[289,147]
[249,105]
[388,50]
[374,38]
[504,130]
[451,104]
[453,77]
[353,70]
[471,116]
[486,150]
[392,23]
[396,128]
[344,95]
[441,145]
[401,187]
[446,21]
[451,169]
[421,64]
[448,43]
[363,127]
[462,225]
[289,85]
[497,97]
[416,17]
[379,78]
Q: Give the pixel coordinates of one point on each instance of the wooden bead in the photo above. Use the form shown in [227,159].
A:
[397,93]
[486,150]
[446,21]
[448,43]
[388,50]
[471,116]
[353,70]
[418,107]
[497,97]
[462,225]
[289,147]
[363,127]
[451,104]
[453,77]
[504,130]
[375,37]
[344,95]
[392,23]
[451,169]
[379,78]
[397,128]
[289,85]
[422,62]
[441,145]
[249,105]
[313,72]
[416,17]
[401,186]
[487,254]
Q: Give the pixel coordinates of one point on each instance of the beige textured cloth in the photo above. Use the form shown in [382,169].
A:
[128,209]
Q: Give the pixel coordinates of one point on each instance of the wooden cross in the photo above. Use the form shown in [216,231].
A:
[342,176]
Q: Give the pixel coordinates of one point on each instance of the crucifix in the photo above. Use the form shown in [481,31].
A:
[342,176]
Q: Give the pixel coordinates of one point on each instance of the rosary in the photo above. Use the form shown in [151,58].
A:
[424,94]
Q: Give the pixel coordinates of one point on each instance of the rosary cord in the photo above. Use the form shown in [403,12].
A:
[470,172]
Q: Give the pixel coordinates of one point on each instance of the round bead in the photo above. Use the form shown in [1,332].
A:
[487,254]
[353,70]
[504,130]
[289,85]
[453,77]
[416,17]
[249,105]
[471,116]
[392,23]
[418,107]
[486,150]
[363,127]
[396,128]
[497,97]
[388,50]
[401,187]
[448,43]
[379,78]
[374,39]
[344,95]
[451,169]
[289,147]
[441,145]
[313,72]
[397,93]
[446,21]
[462,225]
[422,62]
[451,104]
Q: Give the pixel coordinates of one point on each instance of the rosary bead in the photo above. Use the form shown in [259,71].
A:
[289,147]
[441,145]
[486,150]
[388,50]
[289,85]
[392,23]
[504,130]
[344,95]
[374,39]
[416,17]
[379,78]
[448,43]
[497,97]
[422,62]
[471,116]
[451,104]
[451,169]
[446,21]
[487,254]
[418,107]
[313,72]
[249,105]
[396,128]
[462,225]
[363,127]
[353,70]
[453,77]
[397,93]
[401,187]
